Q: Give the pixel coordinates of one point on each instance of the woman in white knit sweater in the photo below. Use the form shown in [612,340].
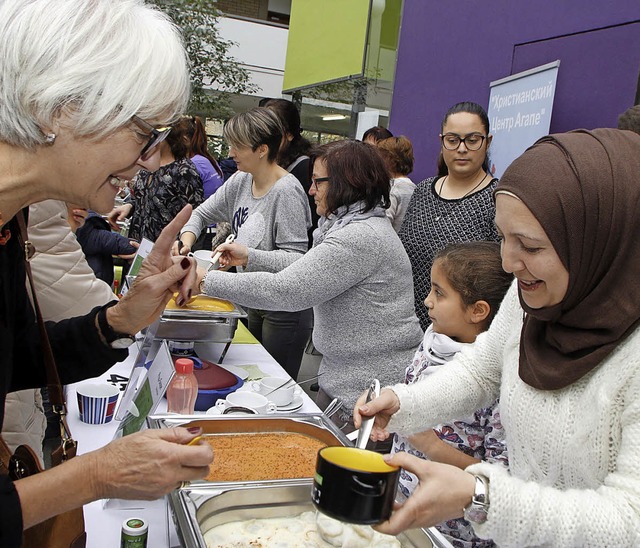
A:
[567,369]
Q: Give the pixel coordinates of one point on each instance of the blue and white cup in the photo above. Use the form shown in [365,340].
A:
[97,402]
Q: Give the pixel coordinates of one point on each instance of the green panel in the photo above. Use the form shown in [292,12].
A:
[327,41]
[384,28]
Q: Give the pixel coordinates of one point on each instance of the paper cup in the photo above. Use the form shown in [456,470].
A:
[97,402]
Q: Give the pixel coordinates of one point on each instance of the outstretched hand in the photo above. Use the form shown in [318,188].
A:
[233,254]
[160,276]
[148,464]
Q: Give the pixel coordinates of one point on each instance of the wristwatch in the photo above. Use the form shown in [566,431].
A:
[478,508]
[114,339]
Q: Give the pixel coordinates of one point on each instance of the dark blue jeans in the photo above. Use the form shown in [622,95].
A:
[283,334]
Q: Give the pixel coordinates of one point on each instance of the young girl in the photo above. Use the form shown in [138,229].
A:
[467,286]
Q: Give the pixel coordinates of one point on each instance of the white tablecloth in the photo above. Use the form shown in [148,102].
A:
[104,523]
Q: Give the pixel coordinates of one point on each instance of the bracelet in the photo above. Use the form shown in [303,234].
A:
[201,284]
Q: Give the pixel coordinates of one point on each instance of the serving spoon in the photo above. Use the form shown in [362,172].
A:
[367,424]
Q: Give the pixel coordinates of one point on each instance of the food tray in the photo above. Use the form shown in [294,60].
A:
[316,426]
[198,325]
[197,509]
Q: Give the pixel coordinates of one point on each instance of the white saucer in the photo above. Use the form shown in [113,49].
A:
[296,403]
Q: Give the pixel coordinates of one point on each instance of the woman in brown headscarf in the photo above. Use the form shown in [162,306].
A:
[563,354]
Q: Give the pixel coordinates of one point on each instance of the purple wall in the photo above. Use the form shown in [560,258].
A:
[451,51]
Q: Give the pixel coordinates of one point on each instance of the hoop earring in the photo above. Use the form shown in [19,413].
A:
[50,138]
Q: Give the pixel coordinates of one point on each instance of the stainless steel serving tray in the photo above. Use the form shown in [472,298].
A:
[199,325]
[198,509]
[315,425]
[201,505]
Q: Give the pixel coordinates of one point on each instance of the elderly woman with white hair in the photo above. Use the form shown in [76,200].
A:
[82,104]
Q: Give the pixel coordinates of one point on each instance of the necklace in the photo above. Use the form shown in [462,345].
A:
[458,200]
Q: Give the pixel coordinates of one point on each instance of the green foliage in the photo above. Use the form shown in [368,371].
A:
[211,64]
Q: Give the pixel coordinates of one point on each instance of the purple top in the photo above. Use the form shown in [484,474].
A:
[211,179]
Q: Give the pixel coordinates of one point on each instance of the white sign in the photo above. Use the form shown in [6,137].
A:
[519,112]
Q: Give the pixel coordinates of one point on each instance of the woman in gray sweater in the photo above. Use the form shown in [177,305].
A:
[356,276]
[269,213]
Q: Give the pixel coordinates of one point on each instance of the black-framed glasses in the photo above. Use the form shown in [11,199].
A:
[316,180]
[473,141]
[157,135]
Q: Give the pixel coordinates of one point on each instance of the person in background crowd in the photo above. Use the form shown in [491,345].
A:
[228,167]
[375,134]
[294,157]
[467,287]
[66,287]
[99,244]
[456,206]
[81,105]
[294,152]
[397,153]
[568,377]
[76,217]
[356,276]
[269,214]
[630,119]
[157,196]
[198,151]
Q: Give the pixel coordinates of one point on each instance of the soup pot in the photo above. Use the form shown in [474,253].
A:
[354,485]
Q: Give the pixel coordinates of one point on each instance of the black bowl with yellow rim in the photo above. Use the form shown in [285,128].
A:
[354,485]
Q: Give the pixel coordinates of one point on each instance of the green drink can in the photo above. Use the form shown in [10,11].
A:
[134,533]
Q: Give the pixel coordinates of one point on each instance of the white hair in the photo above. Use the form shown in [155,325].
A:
[97,62]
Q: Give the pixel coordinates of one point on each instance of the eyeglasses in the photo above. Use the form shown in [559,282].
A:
[473,141]
[316,180]
[155,138]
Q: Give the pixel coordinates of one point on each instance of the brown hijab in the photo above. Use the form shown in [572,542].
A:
[584,189]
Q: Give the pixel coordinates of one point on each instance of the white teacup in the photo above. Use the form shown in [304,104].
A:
[250,400]
[203,258]
[282,396]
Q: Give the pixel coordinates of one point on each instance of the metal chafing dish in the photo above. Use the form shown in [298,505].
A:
[197,510]
[200,506]
[198,325]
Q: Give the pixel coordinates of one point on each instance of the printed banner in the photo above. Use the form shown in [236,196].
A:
[519,112]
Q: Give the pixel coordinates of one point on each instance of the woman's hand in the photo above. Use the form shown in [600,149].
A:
[180,248]
[184,244]
[444,491]
[145,465]
[233,254]
[383,407]
[119,213]
[149,464]
[160,276]
[130,256]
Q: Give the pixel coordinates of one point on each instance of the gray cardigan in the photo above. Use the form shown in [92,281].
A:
[359,282]
[274,225]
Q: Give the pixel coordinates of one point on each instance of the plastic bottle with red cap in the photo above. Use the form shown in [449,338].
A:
[183,388]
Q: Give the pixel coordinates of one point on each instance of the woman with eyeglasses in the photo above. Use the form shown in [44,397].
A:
[269,215]
[456,205]
[81,102]
[357,278]
[157,195]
